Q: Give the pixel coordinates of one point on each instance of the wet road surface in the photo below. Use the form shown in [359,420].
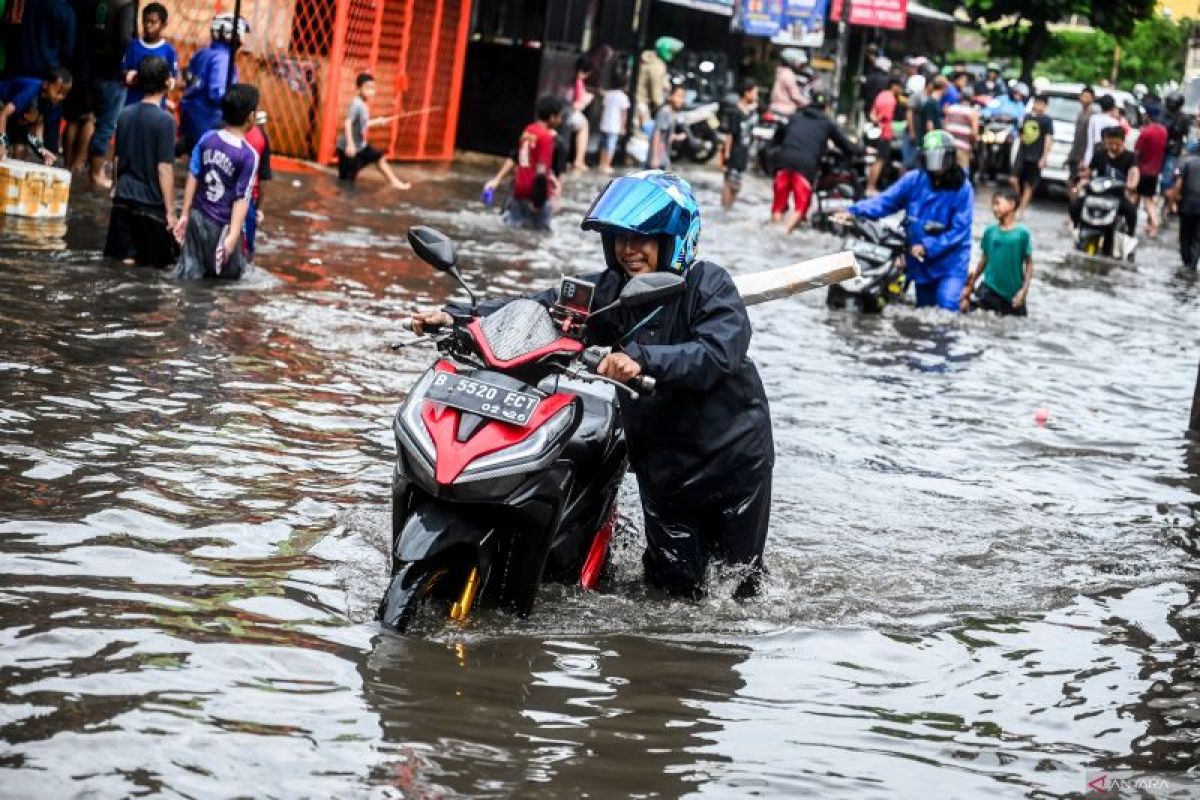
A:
[193,520]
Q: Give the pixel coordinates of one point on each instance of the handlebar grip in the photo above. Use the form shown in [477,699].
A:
[593,356]
[406,324]
[643,384]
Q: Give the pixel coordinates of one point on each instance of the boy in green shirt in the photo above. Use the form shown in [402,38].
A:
[1006,263]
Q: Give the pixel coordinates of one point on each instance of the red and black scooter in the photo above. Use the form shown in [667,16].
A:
[509,452]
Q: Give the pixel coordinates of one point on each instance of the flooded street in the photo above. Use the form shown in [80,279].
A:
[194,520]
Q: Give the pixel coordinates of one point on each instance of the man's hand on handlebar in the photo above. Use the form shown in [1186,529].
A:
[436,319]
[619,367]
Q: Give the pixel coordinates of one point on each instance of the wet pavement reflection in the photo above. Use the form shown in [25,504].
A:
[193,520]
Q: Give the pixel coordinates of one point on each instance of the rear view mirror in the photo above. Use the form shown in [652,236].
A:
[433,247]
[651,287]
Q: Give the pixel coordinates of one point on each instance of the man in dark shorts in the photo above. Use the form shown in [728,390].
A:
[143,210]
[1151,150]
[354,152]
[1037,137]
[740,122]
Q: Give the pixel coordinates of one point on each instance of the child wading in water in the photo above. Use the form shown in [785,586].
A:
[354,153]
[1006,263]
[220,180]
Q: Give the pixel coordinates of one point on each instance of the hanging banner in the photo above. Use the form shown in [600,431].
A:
[762,17]
[803,23]
[874,13]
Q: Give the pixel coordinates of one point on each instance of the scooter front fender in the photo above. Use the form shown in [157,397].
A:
[433,528]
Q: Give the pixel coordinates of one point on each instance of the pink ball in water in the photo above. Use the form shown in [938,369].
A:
[1041,415]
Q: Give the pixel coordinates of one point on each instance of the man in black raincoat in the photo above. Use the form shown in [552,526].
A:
[701,444]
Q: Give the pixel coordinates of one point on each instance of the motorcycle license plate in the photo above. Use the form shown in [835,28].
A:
[485,399]
[835,203]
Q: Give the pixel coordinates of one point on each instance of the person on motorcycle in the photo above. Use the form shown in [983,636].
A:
[1009,104]
[1111,161]
[787,96]
[1177,124]
[802,144]
[701,445]
[992,85]
[939,203]
[652,81]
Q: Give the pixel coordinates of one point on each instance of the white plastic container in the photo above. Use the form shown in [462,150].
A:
[34,190]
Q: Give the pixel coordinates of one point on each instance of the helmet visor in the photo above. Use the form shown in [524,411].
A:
[938,159]
[637,206]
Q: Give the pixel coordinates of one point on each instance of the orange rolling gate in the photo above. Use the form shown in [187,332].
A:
[304,55]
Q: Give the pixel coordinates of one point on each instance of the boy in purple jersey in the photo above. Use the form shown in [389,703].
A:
[152,43]
[220,180]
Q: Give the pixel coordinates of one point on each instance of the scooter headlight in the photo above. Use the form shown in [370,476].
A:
[410,427]
[526,456]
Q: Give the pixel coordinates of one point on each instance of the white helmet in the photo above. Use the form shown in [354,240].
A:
[883,63]
[222,28]
[793,57]
[915,84]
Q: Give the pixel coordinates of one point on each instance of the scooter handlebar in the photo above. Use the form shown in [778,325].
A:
[591,358]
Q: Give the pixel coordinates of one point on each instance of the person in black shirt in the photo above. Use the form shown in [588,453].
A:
[1185,192]
[1115,162]
[991,86]
[876,81]
[931,109]
[803,143]
[143,209]
[1037,135]
[1177,124]
[740,123]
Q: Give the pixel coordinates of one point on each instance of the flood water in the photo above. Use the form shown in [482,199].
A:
[194,486]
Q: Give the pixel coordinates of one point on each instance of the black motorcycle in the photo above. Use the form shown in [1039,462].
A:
[1102,230]
[879,248]
[841,182]
[995,146]
[510,452]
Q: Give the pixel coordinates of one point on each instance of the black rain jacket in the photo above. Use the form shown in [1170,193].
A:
[803,142]
[705,434]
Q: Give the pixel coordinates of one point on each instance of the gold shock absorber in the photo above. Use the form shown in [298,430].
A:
[462,608]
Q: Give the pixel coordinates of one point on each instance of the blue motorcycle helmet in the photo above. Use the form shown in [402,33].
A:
[649,203]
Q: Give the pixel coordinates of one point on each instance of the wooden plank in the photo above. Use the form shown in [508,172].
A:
[803,276]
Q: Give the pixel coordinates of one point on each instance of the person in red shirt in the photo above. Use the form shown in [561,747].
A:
[883,112]
[257,138]
[534,182]
[1151,149]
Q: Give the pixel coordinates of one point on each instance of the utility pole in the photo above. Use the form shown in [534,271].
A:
[843,54]
[1194,424]
[236,44]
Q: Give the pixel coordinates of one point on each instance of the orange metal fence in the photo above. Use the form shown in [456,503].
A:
[304,56]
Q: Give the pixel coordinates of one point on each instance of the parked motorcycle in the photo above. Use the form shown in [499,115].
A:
[510,452]
[995,146]
[1102,230]
[841,181]
[764,150]
[700,125]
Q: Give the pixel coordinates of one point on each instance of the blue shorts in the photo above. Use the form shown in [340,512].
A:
[910,153]
[608,142]
[945,292]
[1167,179]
